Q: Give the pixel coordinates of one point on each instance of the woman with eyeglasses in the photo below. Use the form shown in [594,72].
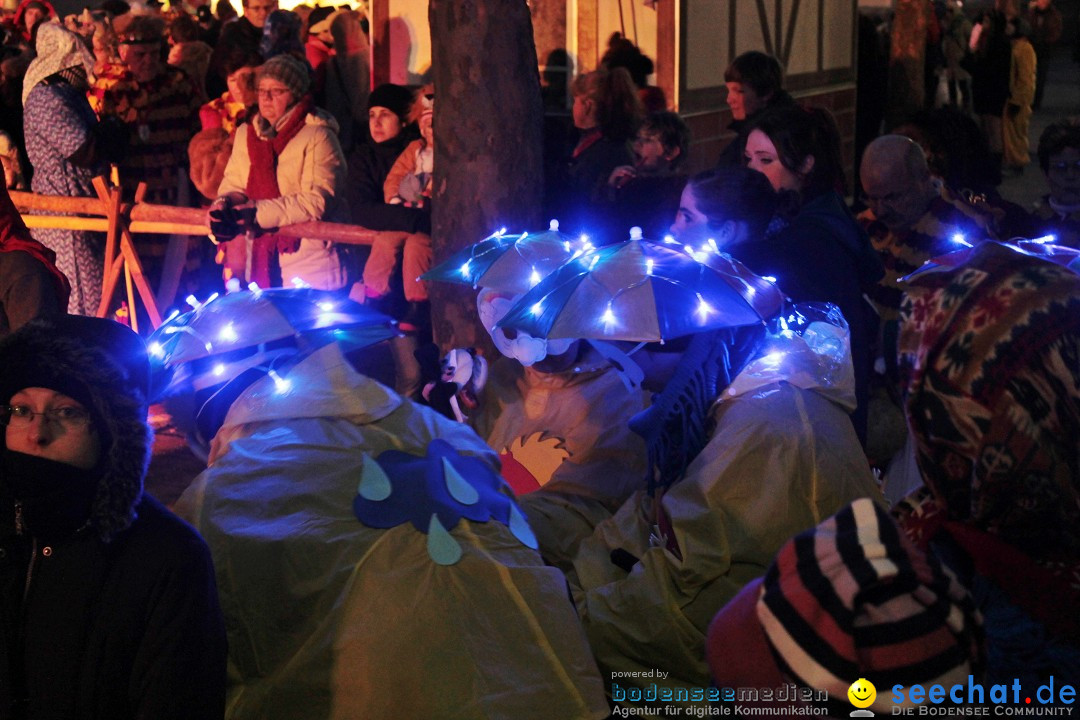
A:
[108,602]
[286,167]
[1058,213]
[823,255]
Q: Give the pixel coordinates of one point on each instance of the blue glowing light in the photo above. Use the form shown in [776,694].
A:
[770,278]
[1045,240]
[537,309]
[192,301]
[959,240]
[608,318]
[703,308]
[281,384]
[228,333]
[219,370]
[156,350]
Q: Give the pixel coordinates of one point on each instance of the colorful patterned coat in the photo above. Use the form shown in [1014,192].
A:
[990,352]
[904,252]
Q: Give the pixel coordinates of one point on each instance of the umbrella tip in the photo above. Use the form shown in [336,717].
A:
[553,226]
[635,233]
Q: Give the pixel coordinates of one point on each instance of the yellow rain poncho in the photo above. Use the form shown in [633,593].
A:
[565,436]
[782,457]
[329,617]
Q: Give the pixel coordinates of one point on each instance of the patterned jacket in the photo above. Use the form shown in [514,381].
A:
[903,252]
[163,115]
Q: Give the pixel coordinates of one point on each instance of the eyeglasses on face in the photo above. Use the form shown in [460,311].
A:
[271,93]
[888,199]
[67,416]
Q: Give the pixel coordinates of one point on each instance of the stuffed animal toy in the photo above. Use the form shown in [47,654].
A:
[462,378]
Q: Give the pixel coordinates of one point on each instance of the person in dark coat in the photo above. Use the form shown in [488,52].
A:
[30,284]
[646,194]
[606,113]
[245,32]
[370,162]
[1058,212]
[755,83]
[990,67]
[823,254]
[389,132]
[108,602]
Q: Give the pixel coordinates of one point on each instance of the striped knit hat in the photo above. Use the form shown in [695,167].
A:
[851,598]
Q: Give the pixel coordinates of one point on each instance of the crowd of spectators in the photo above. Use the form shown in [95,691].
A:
[673,504]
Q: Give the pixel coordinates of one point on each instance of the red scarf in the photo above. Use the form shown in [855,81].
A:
[588,139]
[262,184]
[15,237]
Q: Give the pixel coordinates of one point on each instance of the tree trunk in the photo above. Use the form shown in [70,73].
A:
[489,142]
[907,60]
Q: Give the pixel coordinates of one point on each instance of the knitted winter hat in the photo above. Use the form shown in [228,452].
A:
[851,598]
[396,98]
[290,71]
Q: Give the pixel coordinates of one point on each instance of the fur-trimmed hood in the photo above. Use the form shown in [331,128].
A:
[105,363]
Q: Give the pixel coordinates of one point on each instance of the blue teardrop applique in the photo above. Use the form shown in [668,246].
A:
[374,484]
[519,526]
[441,546]
[460,488]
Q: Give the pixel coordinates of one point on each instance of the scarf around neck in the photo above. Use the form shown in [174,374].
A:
[262,184]
[56,498]
[676,426]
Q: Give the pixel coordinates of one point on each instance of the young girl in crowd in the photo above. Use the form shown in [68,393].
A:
[606,112]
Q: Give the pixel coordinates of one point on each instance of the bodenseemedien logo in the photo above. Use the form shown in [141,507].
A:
[862,694]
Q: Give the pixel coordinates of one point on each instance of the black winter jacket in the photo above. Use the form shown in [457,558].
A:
[824,256]
[369,164]
[110,631]
[108,602]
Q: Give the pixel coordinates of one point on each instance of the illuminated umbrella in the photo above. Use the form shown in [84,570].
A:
[508,262]
[1040,247]
[645,292]
[228,323]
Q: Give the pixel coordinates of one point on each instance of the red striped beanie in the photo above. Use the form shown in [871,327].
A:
[851,598]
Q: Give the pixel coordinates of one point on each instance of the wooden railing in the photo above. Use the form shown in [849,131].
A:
[109,214]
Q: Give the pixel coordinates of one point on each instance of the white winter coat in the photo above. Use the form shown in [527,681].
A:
[311,176]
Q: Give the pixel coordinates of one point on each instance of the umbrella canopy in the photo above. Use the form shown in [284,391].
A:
[1041,247]
[644,292]
[508,262]
[244,319]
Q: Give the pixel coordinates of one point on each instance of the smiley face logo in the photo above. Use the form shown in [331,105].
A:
[862,693]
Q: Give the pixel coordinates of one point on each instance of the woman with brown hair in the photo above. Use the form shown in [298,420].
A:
[606,113]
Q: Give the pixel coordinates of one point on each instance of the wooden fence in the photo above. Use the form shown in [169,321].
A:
[108,213]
